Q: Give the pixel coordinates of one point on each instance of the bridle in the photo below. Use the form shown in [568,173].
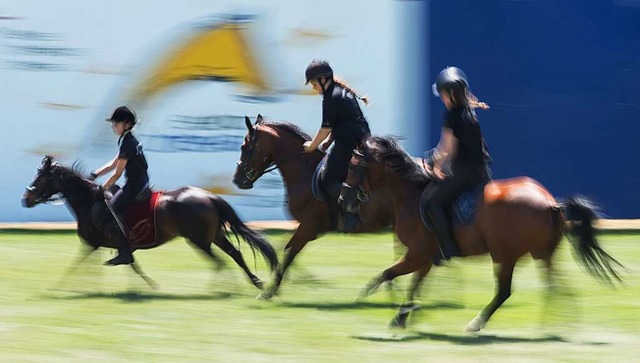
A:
[42,197]
[254,145]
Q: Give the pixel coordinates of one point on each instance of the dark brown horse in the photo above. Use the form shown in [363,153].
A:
[513,217]
[190,212]
[270,145]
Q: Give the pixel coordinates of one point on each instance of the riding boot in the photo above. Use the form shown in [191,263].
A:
[448,246]
[125,256]
[342,220]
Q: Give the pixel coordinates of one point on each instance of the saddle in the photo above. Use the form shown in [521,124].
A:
[462,211]
[317,189]
[139,220]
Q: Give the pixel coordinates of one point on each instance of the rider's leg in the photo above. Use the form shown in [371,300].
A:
[334,175]
[119,203]
[434,200]
[437,196]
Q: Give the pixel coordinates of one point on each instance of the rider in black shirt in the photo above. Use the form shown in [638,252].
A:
[342,123]
[130,160]
[463,146]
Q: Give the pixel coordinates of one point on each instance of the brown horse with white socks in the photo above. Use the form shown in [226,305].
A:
[513,217]
[271,145]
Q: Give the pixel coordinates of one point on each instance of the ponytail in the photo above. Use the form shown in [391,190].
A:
[473,101]
[344,85]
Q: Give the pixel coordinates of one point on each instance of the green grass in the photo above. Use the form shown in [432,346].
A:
[104,314]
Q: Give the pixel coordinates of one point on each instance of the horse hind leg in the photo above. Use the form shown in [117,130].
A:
[205,246]
[221,241]
[504,275]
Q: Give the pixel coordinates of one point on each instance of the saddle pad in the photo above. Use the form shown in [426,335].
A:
[316,189]
[140,222]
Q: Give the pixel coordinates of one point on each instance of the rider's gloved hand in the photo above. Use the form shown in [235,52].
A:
[92,176]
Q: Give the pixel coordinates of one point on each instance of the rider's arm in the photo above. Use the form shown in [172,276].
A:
[321,135]
[324,145]
[106,167]
[329,114]
[120,165]
[446,148]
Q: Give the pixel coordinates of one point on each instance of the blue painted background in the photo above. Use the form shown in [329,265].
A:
[562,79]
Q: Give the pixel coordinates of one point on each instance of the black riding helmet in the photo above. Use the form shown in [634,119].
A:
[123,114]
[449,78]
[318,68]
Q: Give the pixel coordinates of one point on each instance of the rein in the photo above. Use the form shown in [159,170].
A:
[250,173]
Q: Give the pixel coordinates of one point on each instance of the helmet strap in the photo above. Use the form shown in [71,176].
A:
[323,82]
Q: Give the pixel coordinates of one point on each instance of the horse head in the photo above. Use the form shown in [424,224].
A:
[51,179]
[44,185]
[255,157]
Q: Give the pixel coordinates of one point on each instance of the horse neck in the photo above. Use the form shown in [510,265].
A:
[400,188]
[296,166]
[78,193]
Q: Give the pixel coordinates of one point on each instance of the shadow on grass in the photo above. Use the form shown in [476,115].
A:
[355,305]
[136,296]
[479,339]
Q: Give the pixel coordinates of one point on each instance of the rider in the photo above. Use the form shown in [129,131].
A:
[462,145]
[131,160]
[342,122]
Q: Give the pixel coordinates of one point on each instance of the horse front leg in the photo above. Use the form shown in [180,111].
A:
[85,252]
[504,276]
[410,233]
[304,233]
[400,320]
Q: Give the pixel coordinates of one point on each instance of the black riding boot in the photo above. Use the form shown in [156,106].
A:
[448,246]
[341,220]
[124,257]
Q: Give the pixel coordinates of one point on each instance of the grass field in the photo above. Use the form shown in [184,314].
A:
[104,314]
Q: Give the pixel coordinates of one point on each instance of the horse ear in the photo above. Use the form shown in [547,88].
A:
[259,119]
[247,122]
[46,162]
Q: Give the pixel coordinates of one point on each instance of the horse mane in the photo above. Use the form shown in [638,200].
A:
[288,127]
[387,150]
[74,176]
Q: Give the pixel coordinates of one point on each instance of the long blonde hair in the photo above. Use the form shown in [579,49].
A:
[465,97]
[473,101]
[346,86]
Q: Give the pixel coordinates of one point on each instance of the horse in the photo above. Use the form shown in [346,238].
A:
[190,212]
[513,217]
[270,145]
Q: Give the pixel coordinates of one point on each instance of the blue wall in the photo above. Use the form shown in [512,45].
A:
[562,79]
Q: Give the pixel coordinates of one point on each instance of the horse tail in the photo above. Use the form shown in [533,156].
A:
[255,239]
[581,213]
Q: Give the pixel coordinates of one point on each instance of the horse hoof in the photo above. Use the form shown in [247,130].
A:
[265,295]
[475,325]
[399,321]
[257,283]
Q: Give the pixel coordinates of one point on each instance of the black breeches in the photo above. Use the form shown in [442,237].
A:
[338,166]
[125,197]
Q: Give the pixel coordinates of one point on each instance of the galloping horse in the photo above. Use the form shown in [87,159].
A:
[190,212]
[513,217]
[270,145]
